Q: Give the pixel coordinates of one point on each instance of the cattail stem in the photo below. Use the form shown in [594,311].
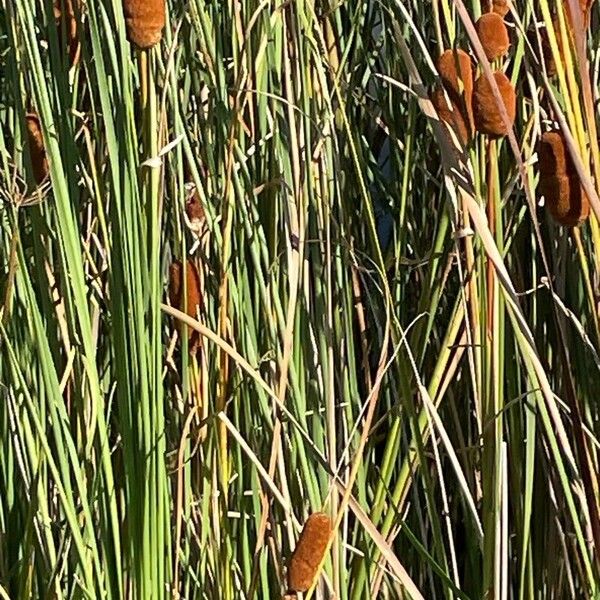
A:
[492,395]
[223,383]
[491,215]
[143,71]
[37,149]
[10,279]
[151,220]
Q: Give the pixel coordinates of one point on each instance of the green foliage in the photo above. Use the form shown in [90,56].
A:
[391,329]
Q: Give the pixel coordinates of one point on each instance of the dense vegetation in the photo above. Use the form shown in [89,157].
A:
[391,327]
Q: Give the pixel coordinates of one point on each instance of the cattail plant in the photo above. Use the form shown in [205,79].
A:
[145,20]
[493,35]
[559,182]
[191,301]
[456,74]
[449,112]
[486,112]
[37,151]
[309,552]
[66,23]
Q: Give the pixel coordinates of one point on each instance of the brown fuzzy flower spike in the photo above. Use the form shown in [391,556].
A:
[456,73]
[559,181]
[192,301]
[553,154]
[486,112]
[493,35]
[37,150]
[145,20]
[309,552]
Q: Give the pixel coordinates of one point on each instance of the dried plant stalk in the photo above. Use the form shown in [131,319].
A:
[559,182]
[309,552]
[37,151]
[145,20]
[585,7]
[486,112]
[193,297]
[493,35]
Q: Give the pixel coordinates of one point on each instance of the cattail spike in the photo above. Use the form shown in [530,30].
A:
[309,552]
[486,112]
[145,20]
[493,35]
[456,73]
[193,297]
[37,150]
[559,181]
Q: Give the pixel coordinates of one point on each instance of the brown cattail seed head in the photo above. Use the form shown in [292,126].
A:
[500,7]
[451,114]
[145,20]
[456,73]
[486,112]
[493,35]
[559,181]
[37,151]
[192,300]
[309,552]
[553,154]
